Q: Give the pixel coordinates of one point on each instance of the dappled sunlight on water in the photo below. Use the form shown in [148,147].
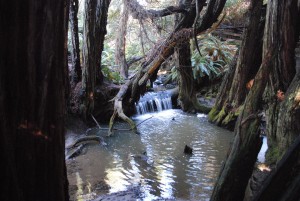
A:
[154,160]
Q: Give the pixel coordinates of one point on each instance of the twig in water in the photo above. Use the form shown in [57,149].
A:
[96,122]
[143,121]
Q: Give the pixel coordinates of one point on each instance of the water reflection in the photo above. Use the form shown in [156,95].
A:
[181,176]
[165,172]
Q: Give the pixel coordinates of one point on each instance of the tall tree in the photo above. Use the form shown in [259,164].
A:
[95,20]
[233,92]
[280,110]
[187,91]
[121,41]
[75,51]
[242,155]
[32,99]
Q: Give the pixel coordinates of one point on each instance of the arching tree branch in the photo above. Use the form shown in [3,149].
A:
[139,12]
[133,88]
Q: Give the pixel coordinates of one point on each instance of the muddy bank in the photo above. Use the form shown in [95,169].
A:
[85,164]
[77,166]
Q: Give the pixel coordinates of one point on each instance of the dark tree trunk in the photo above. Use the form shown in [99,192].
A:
[95,20]
[215,114]
[242,155]
[232,181]
[284,182]
[75,51]
[289,114]
[32,100]
[187,92]
[286,14]
[121,42]
[227,108]
[187,87]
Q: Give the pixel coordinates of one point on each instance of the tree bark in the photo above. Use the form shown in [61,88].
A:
[232,181]
[226,110]
[284,182]
[289,114]
[187,92]
[32,100]
[242,155]
[222,96]
[121,42]
[75,51]
[284,15]
[95,20]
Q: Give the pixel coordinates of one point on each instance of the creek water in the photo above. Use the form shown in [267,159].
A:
[154,160]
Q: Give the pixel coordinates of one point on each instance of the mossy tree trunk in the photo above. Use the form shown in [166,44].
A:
[285,13]
[284,181]
[95,20]
[215,115]
[75,51]
[289,114]
[234,91]
[187,91]
[242,155]
[32,100]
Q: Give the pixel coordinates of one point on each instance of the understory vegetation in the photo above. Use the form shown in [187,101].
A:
[141,36]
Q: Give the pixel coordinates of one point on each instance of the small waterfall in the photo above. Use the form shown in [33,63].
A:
[152,102]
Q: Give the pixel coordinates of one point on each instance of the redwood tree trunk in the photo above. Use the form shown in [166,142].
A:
[285,37]
[242,155]
[187,92]
[75,51]
[227,105]
[95,20]
[32,100]
[289,113]
[284,181]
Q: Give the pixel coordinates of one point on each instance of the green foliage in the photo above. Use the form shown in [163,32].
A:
[215,55]
[108,57]
[213,61]
[108,65]
[112,75]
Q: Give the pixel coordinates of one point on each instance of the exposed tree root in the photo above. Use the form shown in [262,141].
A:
[84,139]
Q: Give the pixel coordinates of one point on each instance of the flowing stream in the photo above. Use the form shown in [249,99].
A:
[154,160]
[152,102]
